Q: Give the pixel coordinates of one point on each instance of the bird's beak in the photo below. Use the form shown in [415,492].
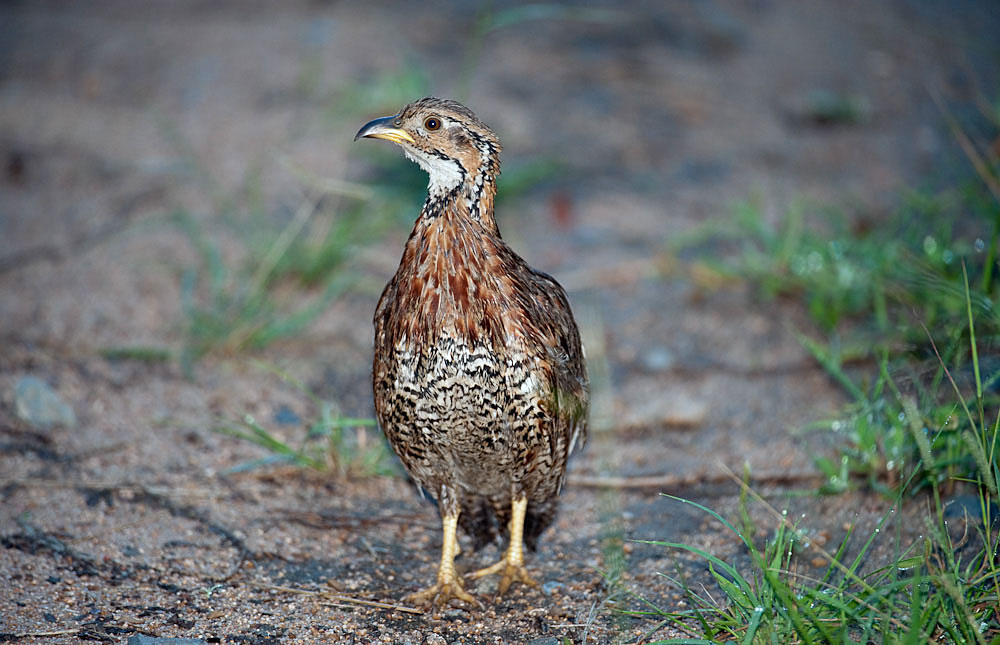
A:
[383,129]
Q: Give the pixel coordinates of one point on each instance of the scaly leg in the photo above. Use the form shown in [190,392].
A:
[449,585]
[511,567]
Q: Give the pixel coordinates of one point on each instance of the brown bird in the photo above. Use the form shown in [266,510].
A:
[479,376]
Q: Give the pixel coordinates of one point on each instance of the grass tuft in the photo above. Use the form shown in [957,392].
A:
[230,309]
[924,415]
[940,588]
[933,590]
[347,446]
[872,292]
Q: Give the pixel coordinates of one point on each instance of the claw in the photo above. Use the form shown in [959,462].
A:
[442,594]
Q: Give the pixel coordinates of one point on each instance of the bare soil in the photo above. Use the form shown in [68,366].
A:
[662,115]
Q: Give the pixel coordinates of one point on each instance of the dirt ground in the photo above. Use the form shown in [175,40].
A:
[662,115]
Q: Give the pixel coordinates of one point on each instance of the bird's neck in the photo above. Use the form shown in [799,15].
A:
[451,267]
[464,205]
[470,197]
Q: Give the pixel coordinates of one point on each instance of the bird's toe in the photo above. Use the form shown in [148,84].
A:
[442,594]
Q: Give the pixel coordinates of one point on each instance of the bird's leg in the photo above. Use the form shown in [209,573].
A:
[511,567]
[449,585]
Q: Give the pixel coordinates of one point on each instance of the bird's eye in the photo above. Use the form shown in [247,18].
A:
[397,122]
[432,123]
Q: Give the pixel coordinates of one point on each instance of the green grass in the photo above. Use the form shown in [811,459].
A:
[932,590]
[927,593]
[863,278]
[872,293]
[253,301]
[346,446]
[904,321]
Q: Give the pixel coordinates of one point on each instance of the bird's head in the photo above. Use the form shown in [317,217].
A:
[446,139]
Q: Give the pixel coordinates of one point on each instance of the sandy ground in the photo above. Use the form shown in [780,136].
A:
[661,117]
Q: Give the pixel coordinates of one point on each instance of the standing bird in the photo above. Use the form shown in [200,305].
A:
[479,376]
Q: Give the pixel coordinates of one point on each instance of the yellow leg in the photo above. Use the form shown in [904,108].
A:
[449,585]
[511,567]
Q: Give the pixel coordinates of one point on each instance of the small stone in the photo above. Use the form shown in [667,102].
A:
[544,640]
[818,562]
[434,639]
[37,403]
[658,359]
[285,416]
[485,586]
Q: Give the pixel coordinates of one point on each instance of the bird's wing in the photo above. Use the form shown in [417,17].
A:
[570,387]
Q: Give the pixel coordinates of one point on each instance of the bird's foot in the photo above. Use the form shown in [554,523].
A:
[442,594]
[509,572]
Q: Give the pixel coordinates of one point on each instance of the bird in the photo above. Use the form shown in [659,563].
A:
[479,378]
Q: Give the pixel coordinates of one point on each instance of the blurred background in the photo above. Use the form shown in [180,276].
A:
[751,203]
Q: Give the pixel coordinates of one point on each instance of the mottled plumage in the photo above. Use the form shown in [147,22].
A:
[479,377]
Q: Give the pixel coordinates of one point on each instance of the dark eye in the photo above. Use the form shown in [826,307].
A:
[398,122]
[432,123]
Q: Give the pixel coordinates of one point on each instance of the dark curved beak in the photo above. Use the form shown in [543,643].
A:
[384,128]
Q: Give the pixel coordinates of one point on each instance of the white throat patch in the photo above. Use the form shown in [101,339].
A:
[444,175]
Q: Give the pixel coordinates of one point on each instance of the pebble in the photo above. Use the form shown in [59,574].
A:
[963,515]
[658,359]
[485,586]
[968,507]
[286,416]
[544,640]
[37,403]
[435,639]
